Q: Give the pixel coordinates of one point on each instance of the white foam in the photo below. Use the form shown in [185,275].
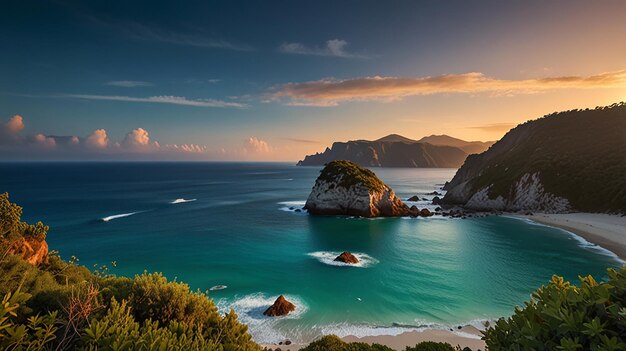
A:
[250,310]
[292,206]
[328,257]
[180,201]
[121,215]
[582,242]
[218,287]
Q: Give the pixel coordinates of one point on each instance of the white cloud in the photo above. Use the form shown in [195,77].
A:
[129,83]
[9,131]
[97,139]
[137,139]
[330,92]
[44,141]
[254,145]
[163,99]
[333,48]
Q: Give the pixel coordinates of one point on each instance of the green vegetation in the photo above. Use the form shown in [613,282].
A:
[579,154]
[333,343]
[350,174]
[60,305]
[561,316]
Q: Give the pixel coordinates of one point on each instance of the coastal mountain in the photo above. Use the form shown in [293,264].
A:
[397,151]
[471,147]
[572,160]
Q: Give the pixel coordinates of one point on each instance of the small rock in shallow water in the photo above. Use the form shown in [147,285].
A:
[413,198]
[347,257]
[281,307]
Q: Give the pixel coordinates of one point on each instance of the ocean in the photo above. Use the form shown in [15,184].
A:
[236,224]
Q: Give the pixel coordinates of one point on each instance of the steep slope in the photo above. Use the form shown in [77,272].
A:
[389,154]
[572,160]
[471,147]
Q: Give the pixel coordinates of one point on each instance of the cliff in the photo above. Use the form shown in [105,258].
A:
[572,160]
[390,151]
[344,188]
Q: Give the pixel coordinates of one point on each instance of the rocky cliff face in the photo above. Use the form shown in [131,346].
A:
[344,188]
[32,250]
[566,161]
[390,152]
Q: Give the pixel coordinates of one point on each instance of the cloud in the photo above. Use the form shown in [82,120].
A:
[97,140]
[136,139]
[330,92]
[494,127]
[163,99]
[254,145]
[136,143]
[9,131]
[303,141]
[141,32]
[129,83]
[333,48]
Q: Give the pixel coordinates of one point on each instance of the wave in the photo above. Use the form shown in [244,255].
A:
[121,215]
[292,206]
[263,329]
[582,242]
[218,287]
[328,257]
[180,201]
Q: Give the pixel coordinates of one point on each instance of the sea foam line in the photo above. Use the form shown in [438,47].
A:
[328,257]
[582,242]
[180,201]
[250,310]
[121,215]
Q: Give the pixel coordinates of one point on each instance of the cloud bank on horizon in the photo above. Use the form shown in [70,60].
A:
[136,144]
[331,92]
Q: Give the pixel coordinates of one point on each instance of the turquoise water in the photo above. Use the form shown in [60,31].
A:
[239,231]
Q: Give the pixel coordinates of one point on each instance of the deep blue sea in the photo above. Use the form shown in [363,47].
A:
[235,228]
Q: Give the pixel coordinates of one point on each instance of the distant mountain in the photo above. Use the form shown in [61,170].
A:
[572,160]
[471,147]
[391,151]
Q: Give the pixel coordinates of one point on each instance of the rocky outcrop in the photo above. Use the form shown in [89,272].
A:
[344,188]
[281,307]
[347,257]
[413,198]
[567,161]
[32,250]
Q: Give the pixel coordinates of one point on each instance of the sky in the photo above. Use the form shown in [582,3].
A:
[276,80]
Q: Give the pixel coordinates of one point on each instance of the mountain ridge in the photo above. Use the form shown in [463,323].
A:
[395,150]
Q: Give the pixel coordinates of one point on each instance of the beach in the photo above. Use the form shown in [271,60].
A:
[605,230]
[467,336]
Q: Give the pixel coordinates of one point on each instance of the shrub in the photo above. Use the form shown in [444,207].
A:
[431,346]
[561,316]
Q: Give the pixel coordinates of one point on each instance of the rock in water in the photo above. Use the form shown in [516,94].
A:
[281,307]
[347,257]
[344,188]
[413,198]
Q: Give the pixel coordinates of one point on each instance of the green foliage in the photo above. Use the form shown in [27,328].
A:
[334,343]
[118,330]
[350,174]
[36,333]
[431,346]
[11,226]
[579,155]
[561,316]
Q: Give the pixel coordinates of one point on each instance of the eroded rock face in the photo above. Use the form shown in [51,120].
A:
[347,257]
[281,307]
[32,250]
[344,188]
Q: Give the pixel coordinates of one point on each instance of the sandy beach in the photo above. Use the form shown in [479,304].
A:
[466,336]
[608,231]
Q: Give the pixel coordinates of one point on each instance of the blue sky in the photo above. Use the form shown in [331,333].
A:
[277,79]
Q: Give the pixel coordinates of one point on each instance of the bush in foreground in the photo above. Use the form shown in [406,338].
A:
[561,316]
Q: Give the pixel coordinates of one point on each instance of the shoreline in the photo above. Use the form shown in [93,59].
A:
[605,230]
[468,336]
